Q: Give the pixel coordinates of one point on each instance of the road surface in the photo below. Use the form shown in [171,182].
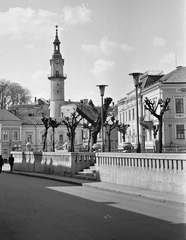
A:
[40,209]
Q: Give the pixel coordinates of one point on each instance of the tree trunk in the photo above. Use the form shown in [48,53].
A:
[123,137]
[44,140]
[72,141]
[53,144]
[94,137]
[89,142]
[160,134]
[109,143]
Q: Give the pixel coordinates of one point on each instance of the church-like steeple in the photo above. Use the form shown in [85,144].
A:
[56,42]
[57,78]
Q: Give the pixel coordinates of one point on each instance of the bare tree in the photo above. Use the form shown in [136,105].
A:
[71,124]
[89,127]
[13,93]
[122,128]
[4,93]
[53,124]
[96,123]
[46,123]
[110,124]
[49,122]
[153,107]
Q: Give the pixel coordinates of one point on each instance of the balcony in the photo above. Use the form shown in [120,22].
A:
[57,75]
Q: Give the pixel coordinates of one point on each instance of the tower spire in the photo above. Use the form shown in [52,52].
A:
[56,41]
[56,30]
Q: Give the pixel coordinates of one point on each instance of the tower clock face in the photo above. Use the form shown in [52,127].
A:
[57,61]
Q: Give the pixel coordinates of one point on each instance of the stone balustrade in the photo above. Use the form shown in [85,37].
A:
[60,163]
[159,172]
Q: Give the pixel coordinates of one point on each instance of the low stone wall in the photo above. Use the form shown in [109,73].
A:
[61,163]
[158,172]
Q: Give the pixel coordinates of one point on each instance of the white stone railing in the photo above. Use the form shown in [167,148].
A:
[148,161]
[175,150]
[160,172]
[61,163]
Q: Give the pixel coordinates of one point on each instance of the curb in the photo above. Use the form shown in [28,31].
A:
[46,177]
[137,194]
[88,185]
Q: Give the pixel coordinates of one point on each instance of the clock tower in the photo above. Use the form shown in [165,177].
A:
[57,79]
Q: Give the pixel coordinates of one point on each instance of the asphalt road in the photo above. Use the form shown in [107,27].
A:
[39,209]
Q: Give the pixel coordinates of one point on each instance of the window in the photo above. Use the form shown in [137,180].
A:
[60,138]
[154,101]
[29,137]
[5,135]
[129,115]
[121,137]
[57,73]
[146,134]
[15,135]
[100,134]
[126,117]
[179,105]
[120,117]
[123,117]
[129,136]
[133,135]
[180,132]
[5,153]
[85,134]
[133,114]
[42,137]
[150,135]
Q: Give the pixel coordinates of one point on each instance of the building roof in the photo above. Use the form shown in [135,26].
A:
[69,102]
[150,80]
[178,75]
[32,121]
[8,116]
[87,110]
[40,101]
[35,120]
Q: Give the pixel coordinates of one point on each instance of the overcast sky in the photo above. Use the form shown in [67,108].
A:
[102,41]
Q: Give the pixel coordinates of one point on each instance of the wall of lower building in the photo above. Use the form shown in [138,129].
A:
[8,144]
[37,131]
[172,119]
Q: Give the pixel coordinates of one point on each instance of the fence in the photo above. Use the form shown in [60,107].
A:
[60,163]
[159,172]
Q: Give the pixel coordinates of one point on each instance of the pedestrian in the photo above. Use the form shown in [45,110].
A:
[1,163]
[11,162]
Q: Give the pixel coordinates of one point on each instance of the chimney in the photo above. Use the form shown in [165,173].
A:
[85,101]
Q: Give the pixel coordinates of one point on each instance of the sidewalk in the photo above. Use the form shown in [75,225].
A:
[158,196]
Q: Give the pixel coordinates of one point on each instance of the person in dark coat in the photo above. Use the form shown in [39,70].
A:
[1,163]
[11,162]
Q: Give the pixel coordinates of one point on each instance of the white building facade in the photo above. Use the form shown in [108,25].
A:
[154,87]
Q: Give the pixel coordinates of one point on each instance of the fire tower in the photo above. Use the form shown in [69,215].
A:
[57,79]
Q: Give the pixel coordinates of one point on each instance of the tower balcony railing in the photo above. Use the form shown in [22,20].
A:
[64,76]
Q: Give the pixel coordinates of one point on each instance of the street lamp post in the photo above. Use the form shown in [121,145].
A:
[136,76]
[102,91]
